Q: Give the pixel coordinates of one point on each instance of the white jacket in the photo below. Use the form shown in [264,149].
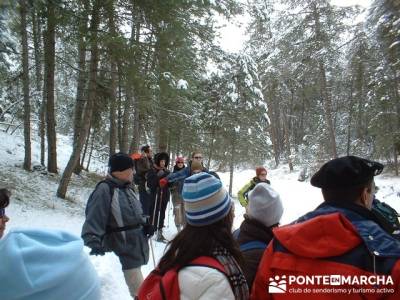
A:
[203,283]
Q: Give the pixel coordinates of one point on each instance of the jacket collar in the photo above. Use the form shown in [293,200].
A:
[117,182]
[379,242]
[252,229]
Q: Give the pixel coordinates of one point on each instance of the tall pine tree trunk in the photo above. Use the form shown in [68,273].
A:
[87,115]
[113,115]
[49,61]
[36,32]
[113,83]
[135,40]
[119,106]
[82,77]
[232,162]
[287,141]
[25,79]
[136,128]
[160,53]
[85,148]
[125,121]
[91,149]
[350,119]
[327,101]
[328,110]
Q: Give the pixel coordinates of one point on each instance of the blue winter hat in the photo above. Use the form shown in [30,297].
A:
[206,200]
[46,265]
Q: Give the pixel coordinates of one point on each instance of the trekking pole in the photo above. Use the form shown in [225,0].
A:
[155,207]
[159,210]
[152,253]
[168,211]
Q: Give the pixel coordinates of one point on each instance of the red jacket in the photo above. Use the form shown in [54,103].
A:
[329,241]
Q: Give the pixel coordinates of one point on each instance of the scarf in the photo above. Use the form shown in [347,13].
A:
[233,272]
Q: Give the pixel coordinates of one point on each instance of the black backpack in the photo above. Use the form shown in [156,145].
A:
[388,217]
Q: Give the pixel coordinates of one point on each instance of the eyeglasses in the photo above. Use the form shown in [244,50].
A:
[197,157]
[2,212]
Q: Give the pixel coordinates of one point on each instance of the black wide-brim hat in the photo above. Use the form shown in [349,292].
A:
[346,172]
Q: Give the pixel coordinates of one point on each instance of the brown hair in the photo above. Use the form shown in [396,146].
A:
[196,152]
[4,198]
[195,241]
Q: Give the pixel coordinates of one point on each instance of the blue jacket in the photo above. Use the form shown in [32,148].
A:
[186,172]
[334,239]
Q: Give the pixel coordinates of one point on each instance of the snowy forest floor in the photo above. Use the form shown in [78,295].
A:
[34,203]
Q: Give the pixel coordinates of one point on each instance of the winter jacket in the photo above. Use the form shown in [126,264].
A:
[153,177]
[105,212]
[332,240]
[203,283]
[253,230]
[181,175]
[242,194]
[143,165]
[177,185]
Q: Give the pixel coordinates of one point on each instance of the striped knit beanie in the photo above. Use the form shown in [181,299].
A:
[206,200]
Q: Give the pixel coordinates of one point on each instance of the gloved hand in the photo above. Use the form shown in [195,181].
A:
[148,230]
[97,251]
[163,182]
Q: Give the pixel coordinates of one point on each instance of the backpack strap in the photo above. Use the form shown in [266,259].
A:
[252,245]
[209,262]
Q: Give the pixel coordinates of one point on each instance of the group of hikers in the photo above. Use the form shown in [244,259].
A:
[156,183]
[351,233]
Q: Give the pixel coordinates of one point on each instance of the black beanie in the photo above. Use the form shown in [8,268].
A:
[120,162]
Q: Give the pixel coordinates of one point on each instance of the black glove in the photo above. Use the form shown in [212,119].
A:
[148,230]
[97,251]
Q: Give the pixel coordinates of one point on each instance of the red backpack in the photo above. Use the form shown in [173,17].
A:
[166,287]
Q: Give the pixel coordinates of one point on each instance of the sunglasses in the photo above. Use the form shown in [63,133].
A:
[263,174]
[2,212]
[179,162]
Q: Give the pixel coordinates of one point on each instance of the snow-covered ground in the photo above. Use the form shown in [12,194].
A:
[34,203]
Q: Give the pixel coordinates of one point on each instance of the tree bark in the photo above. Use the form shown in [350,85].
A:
[113,83]
[125,121]
[136,128]
[273,127]
[82,74]
[350,112]
[40,86]
[90,151]
[396,163]
[232,163]
[119,108]
[87,115]
[287,141]
[328,110]
[25,80]
[83,156]
[324,86]
[49,60]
